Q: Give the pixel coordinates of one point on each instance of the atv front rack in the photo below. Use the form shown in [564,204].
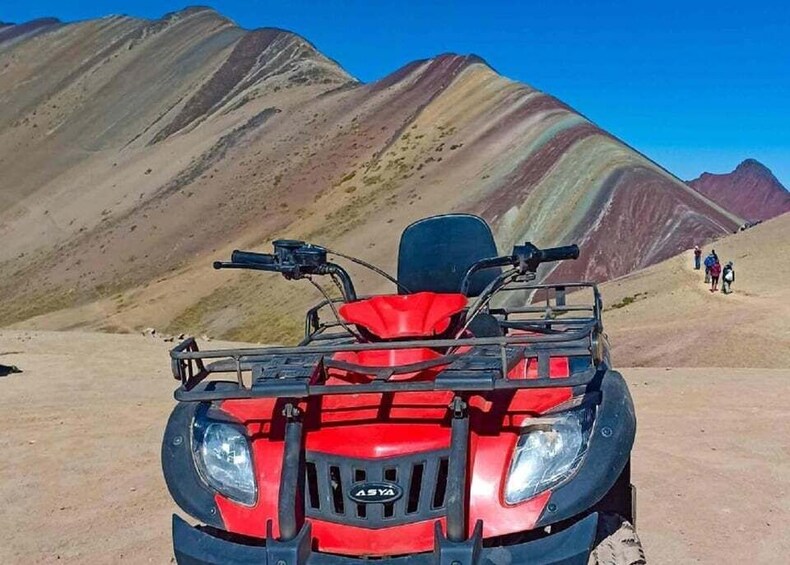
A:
[300,372]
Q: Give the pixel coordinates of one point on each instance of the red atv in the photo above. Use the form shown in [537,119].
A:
[446,424]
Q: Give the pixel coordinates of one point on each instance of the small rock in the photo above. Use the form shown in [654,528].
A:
[31,441]
[149,332]
[6,370]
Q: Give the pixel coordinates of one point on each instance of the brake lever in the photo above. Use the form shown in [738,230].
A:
[526,258]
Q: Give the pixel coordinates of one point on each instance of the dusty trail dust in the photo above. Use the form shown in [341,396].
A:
[80,481]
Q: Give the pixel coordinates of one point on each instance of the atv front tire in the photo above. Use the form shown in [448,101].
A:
[616,543]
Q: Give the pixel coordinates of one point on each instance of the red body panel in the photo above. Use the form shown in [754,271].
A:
[357,426]
[412,315]
[366,426]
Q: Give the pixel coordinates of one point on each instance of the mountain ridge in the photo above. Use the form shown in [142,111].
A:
[134,152]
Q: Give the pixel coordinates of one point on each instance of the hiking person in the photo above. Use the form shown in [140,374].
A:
[715,272]
[697,257]
[727,278]
[709,261]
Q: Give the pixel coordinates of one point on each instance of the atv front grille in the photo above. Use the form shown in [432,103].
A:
[420,479]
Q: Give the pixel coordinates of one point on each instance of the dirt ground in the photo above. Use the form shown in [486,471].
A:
[80,480]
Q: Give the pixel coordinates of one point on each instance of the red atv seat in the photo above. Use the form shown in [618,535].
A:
[423,314]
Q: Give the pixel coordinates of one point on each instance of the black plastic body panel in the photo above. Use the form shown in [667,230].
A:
[609,451]
[183,481]
[419,475]
[570,546]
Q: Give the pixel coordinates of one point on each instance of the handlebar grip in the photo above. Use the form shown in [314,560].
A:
[559,253]
[272,268]
[250,257]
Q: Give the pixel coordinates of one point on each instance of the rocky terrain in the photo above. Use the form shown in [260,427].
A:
[750,191]
[134,152]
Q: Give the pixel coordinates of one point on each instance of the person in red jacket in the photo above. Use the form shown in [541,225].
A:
[715,272]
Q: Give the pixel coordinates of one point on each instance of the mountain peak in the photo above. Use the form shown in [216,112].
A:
[191,11]
[751,191]
[753,166]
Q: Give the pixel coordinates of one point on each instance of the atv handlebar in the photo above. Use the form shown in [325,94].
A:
[294,260]
[525,258]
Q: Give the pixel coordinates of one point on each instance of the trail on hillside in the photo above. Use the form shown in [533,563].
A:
[665,315]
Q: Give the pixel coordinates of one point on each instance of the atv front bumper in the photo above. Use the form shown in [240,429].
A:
[570,546]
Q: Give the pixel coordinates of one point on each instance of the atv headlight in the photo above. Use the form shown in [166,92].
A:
[548,451]
[222,454]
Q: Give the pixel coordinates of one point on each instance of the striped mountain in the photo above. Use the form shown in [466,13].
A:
[133,152]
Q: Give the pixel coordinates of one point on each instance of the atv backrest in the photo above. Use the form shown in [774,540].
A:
[436,252]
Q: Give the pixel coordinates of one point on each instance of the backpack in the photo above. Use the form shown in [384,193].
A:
[709,261]
[729,276]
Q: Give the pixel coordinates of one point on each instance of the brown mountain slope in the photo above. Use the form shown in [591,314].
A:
[750,191]
[665,316]
[135,151]
[10,32]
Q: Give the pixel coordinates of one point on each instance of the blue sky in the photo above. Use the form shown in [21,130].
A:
[694,85]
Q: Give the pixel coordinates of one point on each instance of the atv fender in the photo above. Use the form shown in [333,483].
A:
[186,487]
[608,453]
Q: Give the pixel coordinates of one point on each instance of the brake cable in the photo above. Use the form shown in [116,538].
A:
[373,268]
[486,296]
[334,309]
